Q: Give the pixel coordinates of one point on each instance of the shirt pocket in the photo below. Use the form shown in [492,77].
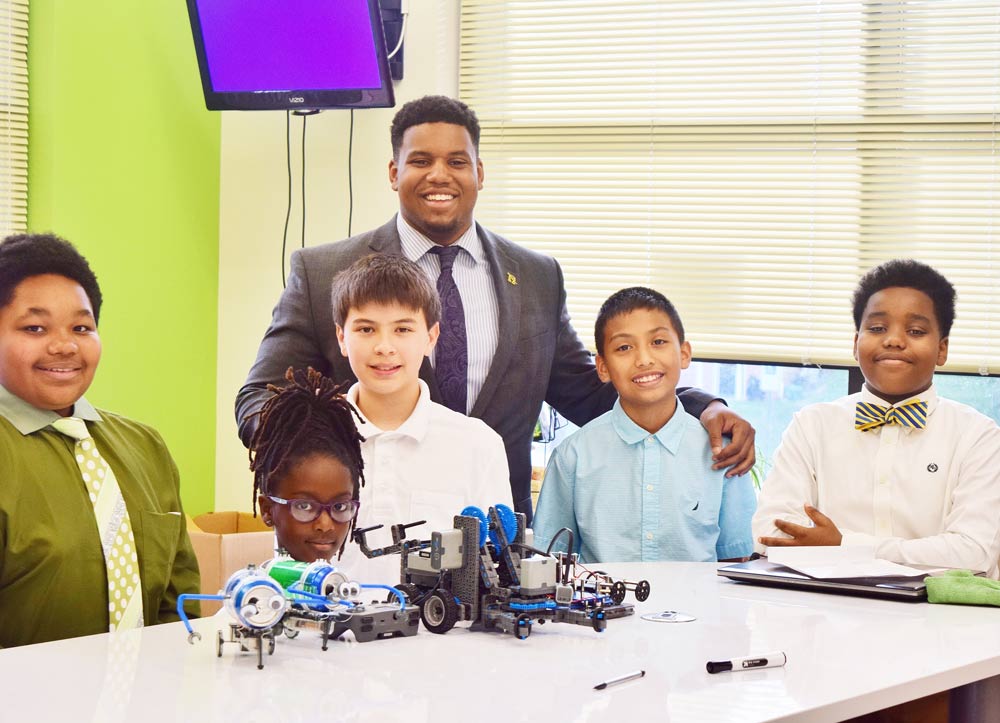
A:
[159,533]
[700,508]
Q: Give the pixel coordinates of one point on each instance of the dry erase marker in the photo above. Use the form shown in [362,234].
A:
[768,660]
[620,679]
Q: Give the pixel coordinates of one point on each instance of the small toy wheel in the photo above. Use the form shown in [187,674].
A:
[599,622]
[270,645]
[523,629]
[290,632]
[411,591]
[218,643]
[618,592]
[439,611]
[642,590]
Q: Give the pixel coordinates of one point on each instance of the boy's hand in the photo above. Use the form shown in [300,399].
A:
[739,454]
[824,532]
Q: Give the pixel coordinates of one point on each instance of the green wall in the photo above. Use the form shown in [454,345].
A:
[124,162]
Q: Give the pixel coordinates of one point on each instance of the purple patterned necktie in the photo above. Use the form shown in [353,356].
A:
[452,355]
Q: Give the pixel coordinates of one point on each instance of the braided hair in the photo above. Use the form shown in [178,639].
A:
[308,416]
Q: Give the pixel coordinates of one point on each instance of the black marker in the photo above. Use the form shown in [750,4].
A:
[620,679]
[769,660]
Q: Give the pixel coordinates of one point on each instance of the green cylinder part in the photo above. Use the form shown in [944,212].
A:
[287,572]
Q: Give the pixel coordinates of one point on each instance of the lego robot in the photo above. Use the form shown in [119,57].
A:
[485,572]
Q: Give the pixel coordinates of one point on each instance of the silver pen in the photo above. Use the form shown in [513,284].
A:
[620,679]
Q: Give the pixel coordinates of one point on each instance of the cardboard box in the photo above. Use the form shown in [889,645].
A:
[224,542]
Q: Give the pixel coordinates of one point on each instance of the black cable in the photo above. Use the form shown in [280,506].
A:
[288,213]
[548,550]
[304,180]
[529,548]
[350,175]
[567,559]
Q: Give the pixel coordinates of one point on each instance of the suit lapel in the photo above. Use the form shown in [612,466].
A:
[385,239]
[502,268]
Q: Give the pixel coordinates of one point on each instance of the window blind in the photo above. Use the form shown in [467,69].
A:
[748,158]
[13,116]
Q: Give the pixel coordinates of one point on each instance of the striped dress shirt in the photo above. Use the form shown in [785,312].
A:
[474,279]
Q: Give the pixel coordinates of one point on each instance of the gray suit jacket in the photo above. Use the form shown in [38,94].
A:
[539,355]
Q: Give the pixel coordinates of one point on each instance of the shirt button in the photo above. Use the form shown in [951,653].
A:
[649,488]
[649,441]
[649,535]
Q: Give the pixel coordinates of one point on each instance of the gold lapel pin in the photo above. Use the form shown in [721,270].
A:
[511,279]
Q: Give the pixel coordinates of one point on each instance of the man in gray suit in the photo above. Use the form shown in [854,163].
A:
[522,349]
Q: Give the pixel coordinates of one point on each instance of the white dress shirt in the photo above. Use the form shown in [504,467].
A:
[433,466]
[479,297]
[920,497]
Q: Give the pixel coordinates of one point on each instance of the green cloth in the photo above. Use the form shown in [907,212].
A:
[962,587]
[53,582]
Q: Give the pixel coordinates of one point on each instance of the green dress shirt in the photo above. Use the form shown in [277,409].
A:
[53,580]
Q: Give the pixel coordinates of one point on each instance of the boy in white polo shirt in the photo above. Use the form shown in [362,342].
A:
[423,461]
[894,466]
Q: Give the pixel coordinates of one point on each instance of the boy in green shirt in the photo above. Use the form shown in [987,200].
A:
[92,534]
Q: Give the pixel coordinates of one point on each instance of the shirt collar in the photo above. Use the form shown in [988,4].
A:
[28,419]
[414,427]
[929,395]
[669,435]
[414,244]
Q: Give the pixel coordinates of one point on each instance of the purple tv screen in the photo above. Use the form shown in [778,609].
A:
[281,45]
[300,55]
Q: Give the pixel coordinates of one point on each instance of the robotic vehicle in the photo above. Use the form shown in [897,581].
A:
[485,572]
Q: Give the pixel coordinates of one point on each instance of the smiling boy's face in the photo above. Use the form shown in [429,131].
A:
[643,358]
[899,344]
[49,347]
[385,345]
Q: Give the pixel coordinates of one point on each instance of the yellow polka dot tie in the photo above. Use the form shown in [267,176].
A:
[117,539]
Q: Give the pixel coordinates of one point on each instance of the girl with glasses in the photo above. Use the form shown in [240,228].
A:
[307,465]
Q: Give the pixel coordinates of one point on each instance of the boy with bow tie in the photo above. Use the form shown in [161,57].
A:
[894,466]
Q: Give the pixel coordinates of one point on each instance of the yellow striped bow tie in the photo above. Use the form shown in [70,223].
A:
[869,416]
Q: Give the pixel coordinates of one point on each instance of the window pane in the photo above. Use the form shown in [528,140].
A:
[767,396]
[982,393]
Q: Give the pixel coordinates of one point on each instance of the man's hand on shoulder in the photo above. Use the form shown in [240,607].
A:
[738,454]
[823,532]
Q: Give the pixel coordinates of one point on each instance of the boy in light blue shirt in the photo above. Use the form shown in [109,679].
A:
[637,484]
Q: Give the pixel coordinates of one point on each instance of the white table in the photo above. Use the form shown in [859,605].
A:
[846,656]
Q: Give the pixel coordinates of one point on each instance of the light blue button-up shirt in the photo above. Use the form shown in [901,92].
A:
[630,496]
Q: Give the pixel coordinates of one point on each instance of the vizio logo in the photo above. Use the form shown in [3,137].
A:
[296,99]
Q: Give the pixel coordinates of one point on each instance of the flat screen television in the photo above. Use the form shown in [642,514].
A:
[291,54]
